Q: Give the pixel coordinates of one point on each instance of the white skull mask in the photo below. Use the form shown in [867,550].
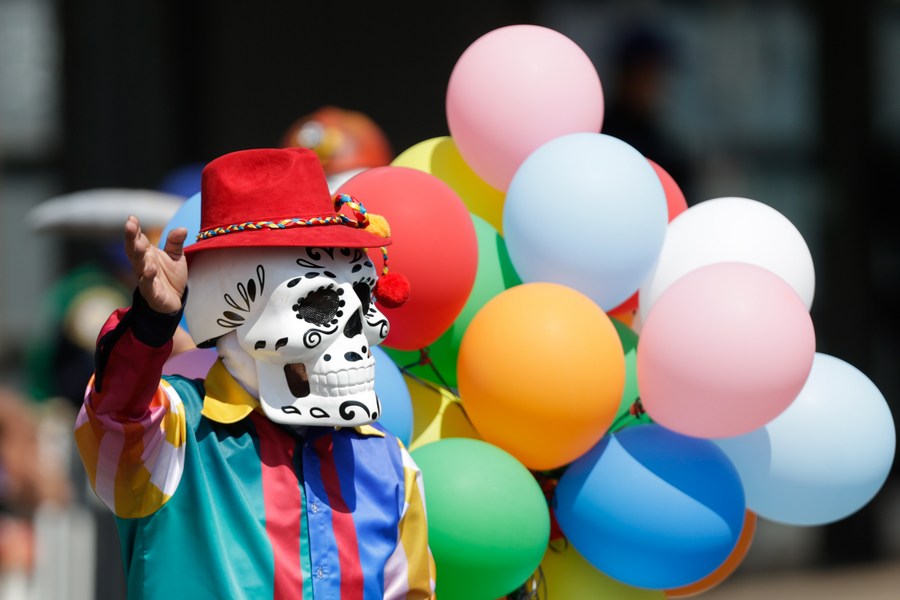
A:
[306,318]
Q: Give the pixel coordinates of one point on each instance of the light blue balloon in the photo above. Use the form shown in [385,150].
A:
[588,211]
[396,401]
[826,456]
[652,508]
[188,216]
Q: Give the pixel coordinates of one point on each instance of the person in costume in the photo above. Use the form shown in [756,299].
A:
[270,477]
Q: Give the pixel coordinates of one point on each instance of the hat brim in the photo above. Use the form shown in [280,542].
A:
[319,236]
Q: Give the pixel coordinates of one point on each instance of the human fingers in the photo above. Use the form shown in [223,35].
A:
[143,262]
[174,246]
[132,231]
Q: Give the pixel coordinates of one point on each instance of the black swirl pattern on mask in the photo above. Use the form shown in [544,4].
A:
[247,294]
[382,325]
[314,337]
[348,414]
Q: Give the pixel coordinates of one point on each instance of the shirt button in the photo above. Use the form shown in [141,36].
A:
[315,507]
[320,573]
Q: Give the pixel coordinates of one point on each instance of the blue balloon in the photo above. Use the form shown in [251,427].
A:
[188,216]
[652,508]
[396,401]
[588,211]
[825,456]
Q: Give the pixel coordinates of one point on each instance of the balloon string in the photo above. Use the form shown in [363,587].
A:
[425,360]
[533,589]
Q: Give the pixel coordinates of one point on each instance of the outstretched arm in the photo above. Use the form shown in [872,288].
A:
[135,342]
[127,432]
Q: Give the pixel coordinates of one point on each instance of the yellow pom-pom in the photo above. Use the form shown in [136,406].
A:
[378,225]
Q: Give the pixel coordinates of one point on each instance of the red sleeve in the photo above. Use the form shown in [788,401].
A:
[132,347]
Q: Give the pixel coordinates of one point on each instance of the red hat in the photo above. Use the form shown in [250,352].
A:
[277,197]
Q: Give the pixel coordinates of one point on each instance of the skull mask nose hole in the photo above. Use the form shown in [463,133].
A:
[354,325]
[352,357]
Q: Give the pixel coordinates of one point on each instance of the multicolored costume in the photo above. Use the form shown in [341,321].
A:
[214,500]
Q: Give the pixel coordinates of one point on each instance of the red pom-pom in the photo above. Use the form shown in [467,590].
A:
[392,290]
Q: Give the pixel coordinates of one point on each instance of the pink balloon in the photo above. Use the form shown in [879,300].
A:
[514,89]
[194,363]
[725,349]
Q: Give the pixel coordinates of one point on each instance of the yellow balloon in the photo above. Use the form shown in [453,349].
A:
[567,574]
[541,371]
[440,157]
[437,414]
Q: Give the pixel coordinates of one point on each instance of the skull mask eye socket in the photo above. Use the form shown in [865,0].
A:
[319,306]
[364,292]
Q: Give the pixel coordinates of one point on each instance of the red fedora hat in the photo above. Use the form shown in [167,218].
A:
[277,197]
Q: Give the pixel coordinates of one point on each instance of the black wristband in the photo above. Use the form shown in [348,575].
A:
[151,327]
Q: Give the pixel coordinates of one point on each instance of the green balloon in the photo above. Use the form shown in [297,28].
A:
[495,274]
[488,519]
[631,394]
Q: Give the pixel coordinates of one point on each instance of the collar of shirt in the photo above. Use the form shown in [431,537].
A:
[226,401]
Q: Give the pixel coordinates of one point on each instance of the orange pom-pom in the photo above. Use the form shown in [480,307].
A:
[391,290]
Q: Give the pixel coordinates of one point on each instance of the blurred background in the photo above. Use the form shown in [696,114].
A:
[795,104]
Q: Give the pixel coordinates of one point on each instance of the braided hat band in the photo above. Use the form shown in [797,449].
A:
[360,220]
[391,289]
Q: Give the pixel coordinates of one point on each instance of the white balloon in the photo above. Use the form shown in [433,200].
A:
[825,457]
[731,229]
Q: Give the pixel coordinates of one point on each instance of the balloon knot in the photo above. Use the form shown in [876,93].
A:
[637,409]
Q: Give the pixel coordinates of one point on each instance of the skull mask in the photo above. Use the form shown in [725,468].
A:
[306,318]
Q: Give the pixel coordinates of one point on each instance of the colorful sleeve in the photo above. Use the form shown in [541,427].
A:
[410,572]
[130,431]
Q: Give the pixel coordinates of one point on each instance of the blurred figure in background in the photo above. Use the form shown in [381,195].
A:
[641,60]
[346,142]
[32,478]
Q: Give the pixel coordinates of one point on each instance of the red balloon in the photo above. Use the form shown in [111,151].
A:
[434,246]
[675,200]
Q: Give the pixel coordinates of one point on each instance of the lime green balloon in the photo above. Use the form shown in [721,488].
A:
[630,394]
[488,520]
[495,274]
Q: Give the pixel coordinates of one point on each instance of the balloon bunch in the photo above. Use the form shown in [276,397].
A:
[608,387]
[604,388]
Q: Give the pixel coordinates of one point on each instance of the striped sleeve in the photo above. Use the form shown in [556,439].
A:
[410,570]
[134,466]
[130,431]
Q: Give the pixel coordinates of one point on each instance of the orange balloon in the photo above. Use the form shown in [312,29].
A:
[726,568]
[541,371]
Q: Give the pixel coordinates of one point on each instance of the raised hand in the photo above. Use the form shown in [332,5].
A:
[161,272]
